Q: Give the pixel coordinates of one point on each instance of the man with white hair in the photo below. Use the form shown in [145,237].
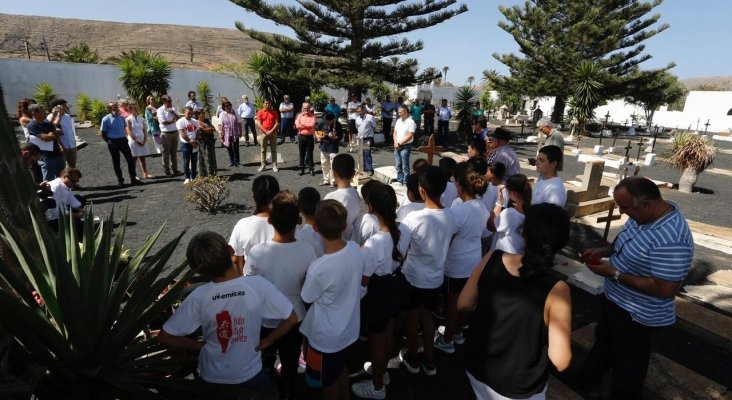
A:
[553,136]
[246,111]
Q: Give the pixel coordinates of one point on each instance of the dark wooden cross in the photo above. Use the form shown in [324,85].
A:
[430,149]
[706,126]
[607,220]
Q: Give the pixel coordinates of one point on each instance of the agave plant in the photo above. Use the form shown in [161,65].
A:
[691,154]
[84,106]
[464,99]
[45,94]
[97,111]
[80,53]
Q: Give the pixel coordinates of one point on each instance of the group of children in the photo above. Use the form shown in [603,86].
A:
[306,276]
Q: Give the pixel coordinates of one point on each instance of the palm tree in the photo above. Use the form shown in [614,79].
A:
[80,53]
[444,73]
[432,72]
[464,100]
[144,74]
[471,79]
[585,94]
[691,154]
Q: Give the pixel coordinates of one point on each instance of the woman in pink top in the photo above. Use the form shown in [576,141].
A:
[230,129]
[305,125]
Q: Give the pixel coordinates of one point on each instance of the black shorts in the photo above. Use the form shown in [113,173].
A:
[453,285]
[427,298]
[323,369]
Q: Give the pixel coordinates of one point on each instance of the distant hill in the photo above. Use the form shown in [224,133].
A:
[719,82]
[211,46]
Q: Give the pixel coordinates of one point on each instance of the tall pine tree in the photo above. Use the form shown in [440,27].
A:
[347,42]
[555,36]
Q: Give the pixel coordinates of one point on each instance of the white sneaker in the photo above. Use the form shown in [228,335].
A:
[441,344]
[261,168]
[365,390]
[186,181]
[367,367]
[412,367]
[274,168]
[459,338]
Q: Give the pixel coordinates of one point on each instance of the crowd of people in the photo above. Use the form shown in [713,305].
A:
[302,277]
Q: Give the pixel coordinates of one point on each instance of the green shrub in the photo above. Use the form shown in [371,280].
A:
[319,99]
[45,94]
[84,106]
[98,111]
[205,96]
[208,192]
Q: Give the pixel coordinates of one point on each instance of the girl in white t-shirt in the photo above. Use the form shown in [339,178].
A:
[137,138]
[447,165]
[366,224]
[464,252]
[383,254]
[549,188]
[507,223]
[256,228]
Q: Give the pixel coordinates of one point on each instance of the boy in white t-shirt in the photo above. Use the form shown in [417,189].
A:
[229,310]
[283,261]
[415,202]
[307,200]
[333,286]
[188,133]
[343,169]
[430,232]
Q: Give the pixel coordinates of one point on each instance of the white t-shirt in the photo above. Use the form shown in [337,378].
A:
[285,265]
[509,224]
[190,127]
[230,315]
[402,127]
[404,210]
[490,197]
[430,232]
[306,233]
[333,285]
[63,197]
[350,199]
[449,195]
[368,226]
[550,190]
[167,114]
[378,249]
[248,232]
[352,105]
[465,252]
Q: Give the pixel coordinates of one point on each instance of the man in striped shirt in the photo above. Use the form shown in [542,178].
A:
[649,259]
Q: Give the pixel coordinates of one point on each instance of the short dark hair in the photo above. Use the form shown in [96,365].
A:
[329,116]
[433,181]
[553,153]
[70,172]
[190,92]
[308,199]
[413,187]
[208,254]
[447,164]
[497,169]
[264,189]
[344,166]
[284,214]
[419,165]
[478,164]
[639,189]
[58,102]
[479,145]
[330,219]
[30,148]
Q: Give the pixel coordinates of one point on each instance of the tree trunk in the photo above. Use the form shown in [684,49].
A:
[688,179]
[558,112]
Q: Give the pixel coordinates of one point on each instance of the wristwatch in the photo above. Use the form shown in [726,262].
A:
[616,276]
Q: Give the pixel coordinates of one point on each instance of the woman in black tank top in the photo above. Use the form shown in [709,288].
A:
[521,317]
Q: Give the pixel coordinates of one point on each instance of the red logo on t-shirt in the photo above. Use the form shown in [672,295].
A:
[223,329]
[190,128]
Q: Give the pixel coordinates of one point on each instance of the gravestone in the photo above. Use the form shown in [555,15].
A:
[592,197]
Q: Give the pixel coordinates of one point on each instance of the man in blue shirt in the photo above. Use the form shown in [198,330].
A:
[333,108]
[113,132]
[649,259]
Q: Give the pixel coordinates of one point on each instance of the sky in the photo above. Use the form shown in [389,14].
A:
[697,41]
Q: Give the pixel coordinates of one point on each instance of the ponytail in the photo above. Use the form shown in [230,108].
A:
[520,183]
[264,189]
[545,231]
[382,201]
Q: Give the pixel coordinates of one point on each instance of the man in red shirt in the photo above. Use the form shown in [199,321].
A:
[267,124]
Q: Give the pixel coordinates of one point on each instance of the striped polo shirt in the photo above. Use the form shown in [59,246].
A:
[661,249]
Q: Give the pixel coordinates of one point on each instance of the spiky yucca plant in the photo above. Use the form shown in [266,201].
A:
[464,99]
[691,154]
[45,94]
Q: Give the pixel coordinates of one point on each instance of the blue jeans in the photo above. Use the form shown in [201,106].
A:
[51,166]
[401,156]
[190,161]
[368,164]
[442,130]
